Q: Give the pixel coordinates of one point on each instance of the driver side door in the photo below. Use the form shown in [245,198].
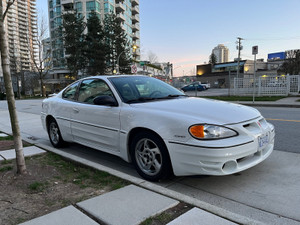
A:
[96,126]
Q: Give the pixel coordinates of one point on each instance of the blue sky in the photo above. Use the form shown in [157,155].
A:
[185,32]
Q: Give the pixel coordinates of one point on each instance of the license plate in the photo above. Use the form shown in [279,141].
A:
[263,140]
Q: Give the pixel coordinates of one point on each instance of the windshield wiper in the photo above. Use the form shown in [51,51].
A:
[172,96]
[175,96]
[141,99]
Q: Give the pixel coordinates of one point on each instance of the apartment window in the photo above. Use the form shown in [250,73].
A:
[97,6]
[58,21]
[90,6]
[108,8]
[51,14]
[78,6]
[57,11]
[51,4]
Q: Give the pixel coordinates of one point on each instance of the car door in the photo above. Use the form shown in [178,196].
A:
[96,126]
[62,110]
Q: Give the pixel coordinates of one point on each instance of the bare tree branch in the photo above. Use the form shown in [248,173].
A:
[9,4]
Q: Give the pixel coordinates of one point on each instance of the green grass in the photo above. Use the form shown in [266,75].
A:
[38,186]
[8,138]
[163,218]
[82,175]
[6,168]
[5,162]
[245,98]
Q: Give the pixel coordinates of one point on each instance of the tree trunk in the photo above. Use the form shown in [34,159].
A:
[42,85]
[21,167]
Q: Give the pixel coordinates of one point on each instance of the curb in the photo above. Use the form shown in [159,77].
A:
[233,217]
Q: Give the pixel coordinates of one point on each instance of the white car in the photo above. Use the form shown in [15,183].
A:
[156,127]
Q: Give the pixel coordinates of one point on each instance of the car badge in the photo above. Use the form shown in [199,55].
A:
[259,124]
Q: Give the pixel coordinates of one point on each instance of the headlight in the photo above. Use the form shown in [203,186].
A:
[211,132]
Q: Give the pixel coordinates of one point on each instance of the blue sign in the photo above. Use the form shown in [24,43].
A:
[276,56]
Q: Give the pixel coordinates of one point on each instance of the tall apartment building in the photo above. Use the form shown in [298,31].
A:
[21,32]
[222,53]
[126,10]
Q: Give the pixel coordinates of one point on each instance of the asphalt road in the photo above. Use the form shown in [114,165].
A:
[287,124]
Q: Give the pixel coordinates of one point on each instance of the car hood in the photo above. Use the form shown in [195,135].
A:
[204,110]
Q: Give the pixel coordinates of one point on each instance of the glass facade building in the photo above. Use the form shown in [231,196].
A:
[126,10]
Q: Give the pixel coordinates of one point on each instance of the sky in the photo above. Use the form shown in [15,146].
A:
[185,32]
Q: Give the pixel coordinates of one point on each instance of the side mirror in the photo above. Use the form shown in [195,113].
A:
[105,100]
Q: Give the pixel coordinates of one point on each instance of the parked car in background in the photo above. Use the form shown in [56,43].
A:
[156,127]
[193,87]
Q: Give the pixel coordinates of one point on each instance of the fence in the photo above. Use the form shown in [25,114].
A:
[266,85]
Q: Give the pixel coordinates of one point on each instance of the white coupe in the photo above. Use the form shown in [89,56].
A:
[156,127]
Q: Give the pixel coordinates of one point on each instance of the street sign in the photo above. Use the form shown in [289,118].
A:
[254,50]
[133,69]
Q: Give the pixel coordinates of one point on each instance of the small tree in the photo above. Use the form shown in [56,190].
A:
[20,160]
[95,46]
[41,63]
[74,42]
[152,57]
[118,44]
[212,59]
[291,63]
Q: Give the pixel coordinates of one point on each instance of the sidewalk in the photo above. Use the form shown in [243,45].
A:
[290,102]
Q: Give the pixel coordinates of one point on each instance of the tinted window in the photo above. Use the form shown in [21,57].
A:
[92,88]
[136,87]
[70,92]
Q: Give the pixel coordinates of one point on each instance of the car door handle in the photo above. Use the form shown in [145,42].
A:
[76,110]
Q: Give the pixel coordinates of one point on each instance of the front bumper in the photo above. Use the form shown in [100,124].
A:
[193,159]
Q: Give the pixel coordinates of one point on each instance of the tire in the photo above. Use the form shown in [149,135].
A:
[150,156]
[55,135]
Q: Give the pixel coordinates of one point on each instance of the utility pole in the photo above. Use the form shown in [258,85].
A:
[239,47]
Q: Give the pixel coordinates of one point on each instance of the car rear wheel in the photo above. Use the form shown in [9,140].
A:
[54,134]
[150,156]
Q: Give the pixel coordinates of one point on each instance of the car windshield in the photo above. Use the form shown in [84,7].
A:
[136,89]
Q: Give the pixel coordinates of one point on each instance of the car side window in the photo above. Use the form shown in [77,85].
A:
[70,92]
[92,88]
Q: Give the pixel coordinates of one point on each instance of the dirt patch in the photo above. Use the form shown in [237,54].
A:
[51,183]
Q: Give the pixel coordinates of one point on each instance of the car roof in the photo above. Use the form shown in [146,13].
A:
[112,76]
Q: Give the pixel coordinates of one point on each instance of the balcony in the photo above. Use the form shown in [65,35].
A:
[120,7]
[135,10]
[121,17]
[136,36]
[135,2]
[135,27]
[135,18]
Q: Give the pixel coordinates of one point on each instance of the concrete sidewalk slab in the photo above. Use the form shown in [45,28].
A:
[28,151]
[66,216]
[197,216]
[127,206]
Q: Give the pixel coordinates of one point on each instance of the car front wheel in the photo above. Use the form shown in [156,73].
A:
[150,156]
[54,134]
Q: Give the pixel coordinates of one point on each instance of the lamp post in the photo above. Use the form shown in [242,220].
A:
[134,47]
[118,59]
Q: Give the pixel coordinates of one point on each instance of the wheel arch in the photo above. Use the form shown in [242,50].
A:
[48,118]
[137,130]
